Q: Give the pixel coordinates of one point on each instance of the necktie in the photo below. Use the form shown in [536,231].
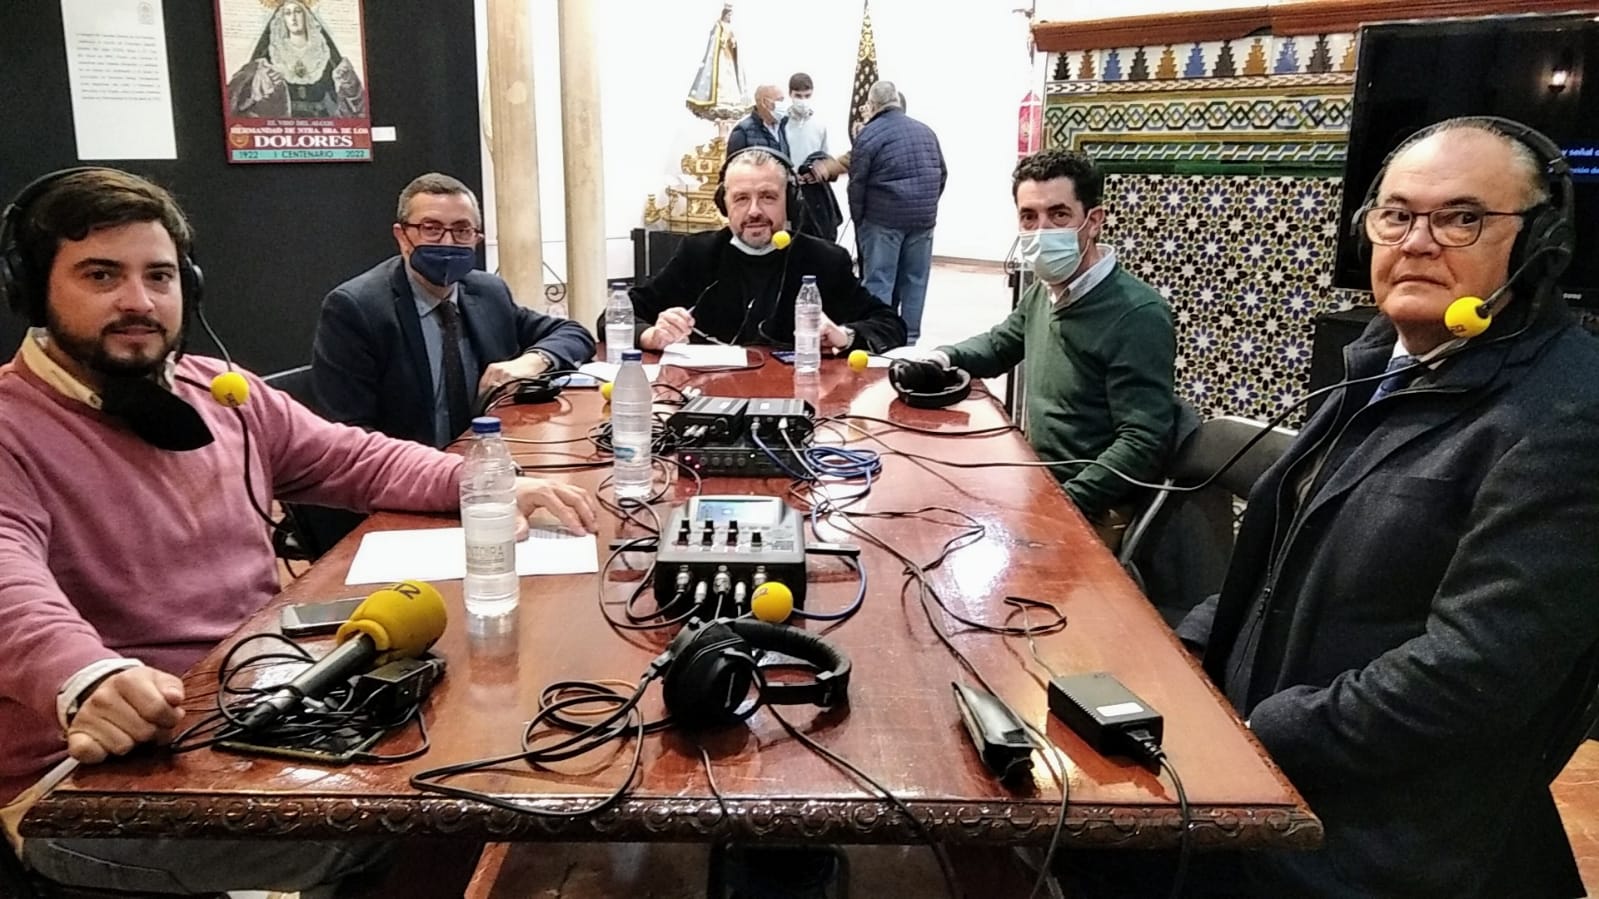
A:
[453,369]
[1395,381]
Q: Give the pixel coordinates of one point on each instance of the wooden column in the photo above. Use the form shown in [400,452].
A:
[514,143]
[584,161]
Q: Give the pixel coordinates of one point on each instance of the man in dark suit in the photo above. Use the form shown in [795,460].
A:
[737,286]
[1410,621]
[406,347]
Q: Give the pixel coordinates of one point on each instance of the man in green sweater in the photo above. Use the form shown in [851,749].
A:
[1096,344]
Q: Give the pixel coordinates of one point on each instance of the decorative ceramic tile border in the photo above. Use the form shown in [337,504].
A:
[1264,55]
[1254,82]
[1249,121]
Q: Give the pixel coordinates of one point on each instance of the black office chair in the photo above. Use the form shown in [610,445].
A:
[1178,544]
[307,531]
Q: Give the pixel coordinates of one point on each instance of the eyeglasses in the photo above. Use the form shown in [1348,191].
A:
[435,231]
[1452,226]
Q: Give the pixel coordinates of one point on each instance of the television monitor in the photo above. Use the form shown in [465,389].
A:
[1528,68]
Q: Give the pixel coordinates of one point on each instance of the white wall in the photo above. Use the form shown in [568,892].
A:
[963,73]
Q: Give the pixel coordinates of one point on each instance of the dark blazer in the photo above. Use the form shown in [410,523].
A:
[370,363]
[703,276]
[1430,618]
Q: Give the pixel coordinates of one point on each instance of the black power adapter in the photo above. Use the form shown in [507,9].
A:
[397,686]
[1108,716]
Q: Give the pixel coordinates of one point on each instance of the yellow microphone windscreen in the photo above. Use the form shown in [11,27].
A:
[230,389]
[1467,317]
[772,602]
[402,619]
[781,240]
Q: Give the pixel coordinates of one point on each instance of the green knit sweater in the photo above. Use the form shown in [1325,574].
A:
[1098,376]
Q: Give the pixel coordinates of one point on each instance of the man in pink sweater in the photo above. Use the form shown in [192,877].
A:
[122,563]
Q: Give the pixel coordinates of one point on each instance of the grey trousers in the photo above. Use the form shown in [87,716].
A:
[315,869]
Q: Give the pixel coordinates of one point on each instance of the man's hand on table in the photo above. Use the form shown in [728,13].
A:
[573,506]
[132,706]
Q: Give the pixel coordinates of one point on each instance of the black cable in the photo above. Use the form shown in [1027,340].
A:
[917,574]
[931,432]
[1046,750]
[1186,847]
[950,881]
[710,778]
[328,726]
[623,721]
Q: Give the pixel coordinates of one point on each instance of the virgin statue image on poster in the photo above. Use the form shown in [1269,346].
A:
[294,87]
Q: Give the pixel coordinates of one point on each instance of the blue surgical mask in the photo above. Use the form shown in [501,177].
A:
[780,109]
[1052,253]
[443,264]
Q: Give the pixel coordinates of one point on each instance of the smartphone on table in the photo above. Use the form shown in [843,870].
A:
[310,619]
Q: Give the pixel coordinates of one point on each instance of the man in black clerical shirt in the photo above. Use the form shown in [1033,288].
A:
[737,285]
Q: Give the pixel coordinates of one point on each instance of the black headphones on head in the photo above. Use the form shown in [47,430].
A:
[710,675]
[1548,229]
[924,384]
[26,290]
[791,196]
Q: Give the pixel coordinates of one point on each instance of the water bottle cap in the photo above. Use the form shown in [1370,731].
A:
[486,424]
[632,355]
[808,279]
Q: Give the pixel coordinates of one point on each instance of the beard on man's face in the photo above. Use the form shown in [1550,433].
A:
[751,230]
[93,353]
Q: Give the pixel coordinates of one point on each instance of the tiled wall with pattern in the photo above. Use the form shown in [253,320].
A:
[1226,162]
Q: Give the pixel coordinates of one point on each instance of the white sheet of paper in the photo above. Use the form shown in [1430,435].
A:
[117,68]
[606,371]
[439,554]
[903,352]
[704,355]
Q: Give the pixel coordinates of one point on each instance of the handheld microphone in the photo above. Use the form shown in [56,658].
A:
[399,621]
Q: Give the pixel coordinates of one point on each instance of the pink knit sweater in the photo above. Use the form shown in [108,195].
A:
[112,548]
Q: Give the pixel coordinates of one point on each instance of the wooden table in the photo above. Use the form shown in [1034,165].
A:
[901,726]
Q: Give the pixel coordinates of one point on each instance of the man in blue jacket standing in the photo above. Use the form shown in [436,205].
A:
[896,176]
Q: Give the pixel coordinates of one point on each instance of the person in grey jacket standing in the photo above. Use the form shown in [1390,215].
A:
[896,176]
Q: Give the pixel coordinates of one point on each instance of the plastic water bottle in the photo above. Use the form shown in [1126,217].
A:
[808,327]
[488,516]
[630,428]
[618,323]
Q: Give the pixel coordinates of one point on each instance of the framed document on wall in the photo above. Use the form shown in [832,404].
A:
[294,80]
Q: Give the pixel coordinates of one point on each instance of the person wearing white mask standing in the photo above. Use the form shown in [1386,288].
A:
[1096,343]
[807,147]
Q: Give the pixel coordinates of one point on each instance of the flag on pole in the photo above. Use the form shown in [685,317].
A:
[865,70]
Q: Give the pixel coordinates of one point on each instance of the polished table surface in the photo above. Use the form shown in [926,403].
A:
[901,725]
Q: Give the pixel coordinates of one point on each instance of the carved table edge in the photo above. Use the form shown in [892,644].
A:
[267,816]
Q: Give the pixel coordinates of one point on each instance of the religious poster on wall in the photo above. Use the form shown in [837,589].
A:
[294,80]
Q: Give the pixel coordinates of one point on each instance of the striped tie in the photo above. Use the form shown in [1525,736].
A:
[1395,381]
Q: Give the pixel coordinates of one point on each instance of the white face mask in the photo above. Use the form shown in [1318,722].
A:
[800,109]
[1052,253]
[779,109]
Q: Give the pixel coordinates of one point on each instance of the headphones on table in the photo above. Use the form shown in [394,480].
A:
[925,384]
[711,677]
[791,195]
[1548,236]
